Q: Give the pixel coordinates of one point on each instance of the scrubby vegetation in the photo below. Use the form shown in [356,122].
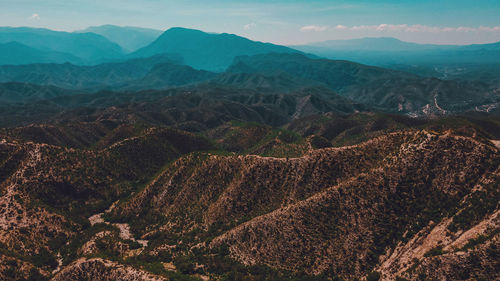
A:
[229,202]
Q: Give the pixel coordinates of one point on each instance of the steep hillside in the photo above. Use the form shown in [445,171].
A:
[152,203]
[48,192]
[324,213]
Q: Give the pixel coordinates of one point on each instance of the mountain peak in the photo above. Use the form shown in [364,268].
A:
[183,29]
[209,51]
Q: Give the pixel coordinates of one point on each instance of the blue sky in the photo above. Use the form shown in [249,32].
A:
[277,21]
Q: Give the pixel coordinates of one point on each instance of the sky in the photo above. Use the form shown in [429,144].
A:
[287,22]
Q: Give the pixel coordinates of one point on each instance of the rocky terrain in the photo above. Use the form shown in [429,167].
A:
[246,200]
[250,162]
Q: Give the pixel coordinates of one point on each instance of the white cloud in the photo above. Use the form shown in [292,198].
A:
[417,28]
[249,26]
[315,28]
[489,29]
[35,16]
[392,27]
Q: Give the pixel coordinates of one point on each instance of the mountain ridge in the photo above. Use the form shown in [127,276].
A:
[89,47]
[12,53]
[207,51]
[441,61]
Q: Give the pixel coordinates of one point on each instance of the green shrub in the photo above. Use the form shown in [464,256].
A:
[35,275]
[437,251]
[288,137]
[184,264]
[10,272]
[133,244]
[44,259]
[373,276]
[320,142]
[57,242]
[474,242]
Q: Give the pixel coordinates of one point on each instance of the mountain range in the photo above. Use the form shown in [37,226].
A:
[441,61]
[89,47]
[95,45]
[126,154]
[382,89]
[215,52]
[207,51]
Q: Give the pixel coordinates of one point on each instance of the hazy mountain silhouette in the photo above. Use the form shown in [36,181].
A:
[372,44]
[17,53]
[208,51]
[89,47]
[130,38]
[391,51]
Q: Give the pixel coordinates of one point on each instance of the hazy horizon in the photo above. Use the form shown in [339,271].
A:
[281,22]
[220,32]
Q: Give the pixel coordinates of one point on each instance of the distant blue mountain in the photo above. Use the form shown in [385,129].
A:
[89,47]
[128,37]
[371,44]
[391,51]
[489,47]
[201,50]
[14,53]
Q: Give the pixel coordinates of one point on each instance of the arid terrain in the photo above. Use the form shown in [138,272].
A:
[175,162]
